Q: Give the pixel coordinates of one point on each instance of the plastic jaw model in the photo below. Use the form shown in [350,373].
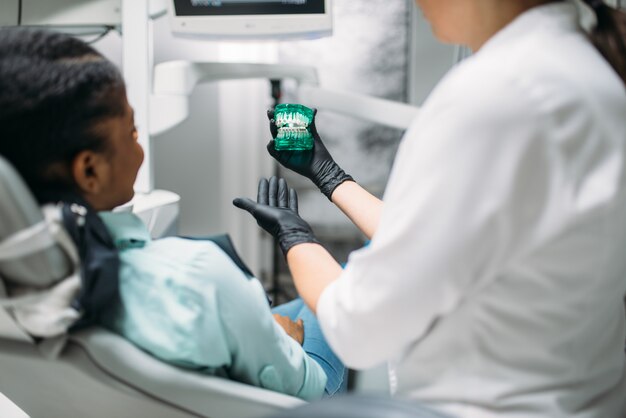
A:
[293,122]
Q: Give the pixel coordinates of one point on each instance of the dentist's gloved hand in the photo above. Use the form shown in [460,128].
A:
[276,211]
[317,164]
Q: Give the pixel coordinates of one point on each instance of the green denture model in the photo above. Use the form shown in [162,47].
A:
[293,122]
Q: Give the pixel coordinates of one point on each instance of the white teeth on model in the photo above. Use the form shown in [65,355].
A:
[282,125]
[291,119]
[292,133]
[292,129]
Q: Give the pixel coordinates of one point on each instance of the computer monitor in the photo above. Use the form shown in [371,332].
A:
[252,19]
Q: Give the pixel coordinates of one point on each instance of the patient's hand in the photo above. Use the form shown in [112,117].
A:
[294,329]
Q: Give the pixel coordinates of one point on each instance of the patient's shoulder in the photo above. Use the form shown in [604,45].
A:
[187,262]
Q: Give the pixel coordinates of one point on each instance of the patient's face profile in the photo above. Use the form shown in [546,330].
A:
[126,157]
[118,165]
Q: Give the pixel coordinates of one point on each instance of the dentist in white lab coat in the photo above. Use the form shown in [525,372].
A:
[495,279]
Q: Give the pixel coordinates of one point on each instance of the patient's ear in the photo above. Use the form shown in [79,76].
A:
[90,171]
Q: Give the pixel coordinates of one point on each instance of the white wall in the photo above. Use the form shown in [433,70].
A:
[430,60]
[187,157]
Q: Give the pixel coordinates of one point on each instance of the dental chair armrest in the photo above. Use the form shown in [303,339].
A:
[195,392]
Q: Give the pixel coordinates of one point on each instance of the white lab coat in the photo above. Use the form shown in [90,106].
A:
[494,285]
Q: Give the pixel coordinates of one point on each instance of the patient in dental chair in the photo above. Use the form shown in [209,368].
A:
[67,127]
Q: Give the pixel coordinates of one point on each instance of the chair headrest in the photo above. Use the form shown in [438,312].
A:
[19,211]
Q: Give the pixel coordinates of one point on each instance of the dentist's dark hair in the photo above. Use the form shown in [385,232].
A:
[54,89]
[609,34]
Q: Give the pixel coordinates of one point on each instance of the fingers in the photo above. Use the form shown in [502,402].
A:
[246,204]
[312,126]
[283,194]
[262,194]
[273,127]
[293,200]
[273,191]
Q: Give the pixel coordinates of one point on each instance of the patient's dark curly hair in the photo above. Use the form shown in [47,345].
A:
[54,89]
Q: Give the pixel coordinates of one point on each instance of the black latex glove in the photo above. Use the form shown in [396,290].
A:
[276,211]
[317,164]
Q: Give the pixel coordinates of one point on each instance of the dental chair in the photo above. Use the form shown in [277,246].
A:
[91,373]
[361,406]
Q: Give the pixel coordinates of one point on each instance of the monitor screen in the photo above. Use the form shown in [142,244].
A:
[252,19]
[248,7]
